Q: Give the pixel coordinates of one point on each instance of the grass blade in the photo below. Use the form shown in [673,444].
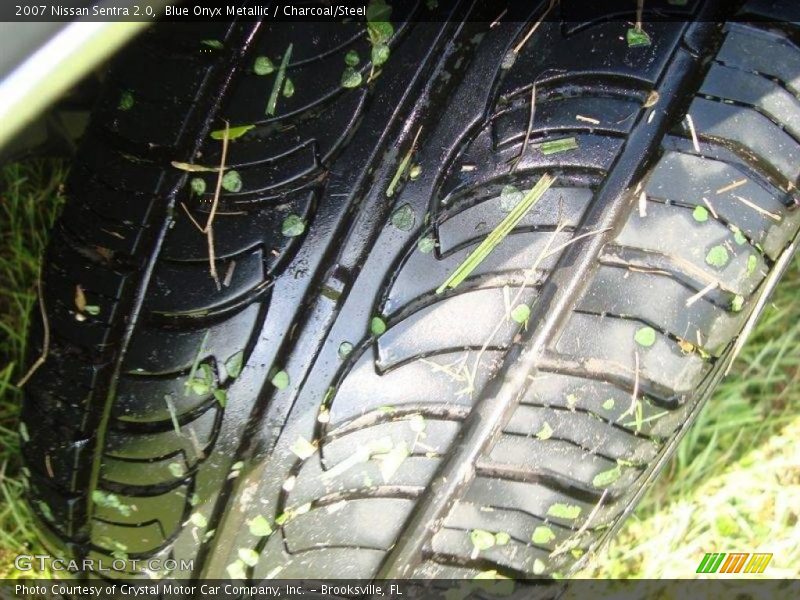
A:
[279,77]
[498,234]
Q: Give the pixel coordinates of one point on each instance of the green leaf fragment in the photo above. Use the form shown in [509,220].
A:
[248,556]
[345,348]
[501,538]
[637,37]
[564,511]
[351,59]
[417,423]
[302,448]
[232,181]
[377,326]
[556,146]
[608,404]
[752,263]
[198,186]
[277,85]
[738,236]
[288,88]
[378,10]
[606,478]
[260,527]
[392,460]
[645,336]
[521,313]
[351,78]
[126,100]
[176,469]
[198,519]
[107,500]
[91,309]
[293,225]
[280,380]
[380,54]
[481,539]
[718,256]
[426,244]
[545,433]
[45,510]
[539,567]
[510,197]
[403,218]
[236,570]
[221,396]
[263,66]
[413,173]
[379,32]
[543,535]
[234,363]
[497,235]
[233,132]
[700,214]
[737,303]
[215,44]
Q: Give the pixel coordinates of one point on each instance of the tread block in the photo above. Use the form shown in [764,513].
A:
[362,479]
[422,273]
[688,179]
[378,520]
[155,350]
[662,301]
[433,328]
[707,251]
[170,297]
[142,399]
[365,390]
[610,342]
[750,130]
[752,49]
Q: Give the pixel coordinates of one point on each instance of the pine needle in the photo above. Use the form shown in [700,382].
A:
[498,234]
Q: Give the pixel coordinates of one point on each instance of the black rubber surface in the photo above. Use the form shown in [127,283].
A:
[381,453]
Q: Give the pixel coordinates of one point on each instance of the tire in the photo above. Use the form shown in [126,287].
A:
[326,391]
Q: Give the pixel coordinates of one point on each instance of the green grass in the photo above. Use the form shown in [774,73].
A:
[30,198]
[733,484]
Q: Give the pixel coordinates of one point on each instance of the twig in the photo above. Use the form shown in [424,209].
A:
[45,338]
[533,29]
[209,229]
[496,22]
[710,208]
[639,11]
[701,293]
[569,545]
[528,130]
[758,209]
[635,395]
[188,214]
[731,186]
[591,120]
[695,141]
